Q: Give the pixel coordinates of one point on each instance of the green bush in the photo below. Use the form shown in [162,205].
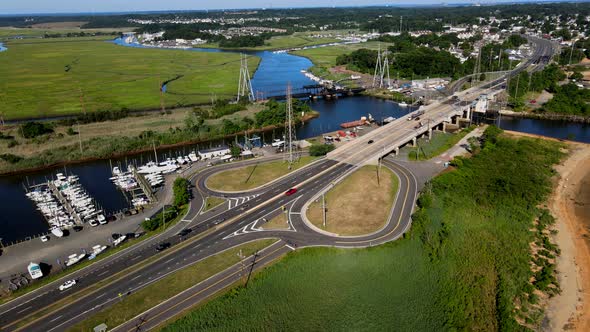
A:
[34,129]
[320,149]
[181,191]
[11,158]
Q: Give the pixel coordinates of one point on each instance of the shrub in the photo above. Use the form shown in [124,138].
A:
[320,149]
[181,191]
[34,129]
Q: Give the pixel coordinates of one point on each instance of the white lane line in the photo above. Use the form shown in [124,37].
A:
[168,261]
[25,309]
[101,295]
[136,257]
[136,277]
[288,246]
[56,318]
[105,272]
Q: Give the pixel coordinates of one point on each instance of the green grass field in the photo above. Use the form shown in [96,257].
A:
[251,177]
[326,56]
[358,205]
[52,77]
[465,265]
[284,42]
[439,143]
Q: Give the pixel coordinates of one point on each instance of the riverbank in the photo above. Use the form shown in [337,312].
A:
[547,116]
[570,204]
[7,169]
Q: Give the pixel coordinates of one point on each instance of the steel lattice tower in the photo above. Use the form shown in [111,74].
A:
[290,154]
[245,84]
[378,77]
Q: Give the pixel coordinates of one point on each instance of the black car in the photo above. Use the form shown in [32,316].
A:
[77,228]
[163,246]
[371,142]
[115,236]
[185,232]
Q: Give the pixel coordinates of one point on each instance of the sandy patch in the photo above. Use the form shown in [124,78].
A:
[570,203]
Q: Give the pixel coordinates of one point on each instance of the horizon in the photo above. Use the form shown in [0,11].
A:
[102,7]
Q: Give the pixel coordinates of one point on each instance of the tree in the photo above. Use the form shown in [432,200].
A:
[235,151]
[320,149]
[181,191]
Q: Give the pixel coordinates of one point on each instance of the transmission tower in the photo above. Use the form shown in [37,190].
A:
[386,68]
[290,154]
[245,84]
[378,77]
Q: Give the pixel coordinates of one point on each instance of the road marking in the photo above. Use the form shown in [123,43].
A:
[288,246]
[56,318]
[102,273]
[25,309]
[101,295]
[136,277]
[136,257]
[168,261]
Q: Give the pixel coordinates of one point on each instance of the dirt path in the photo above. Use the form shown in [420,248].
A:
[570,204]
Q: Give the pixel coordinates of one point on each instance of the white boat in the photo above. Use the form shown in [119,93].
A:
[119,240]
[74,258]
[277,143]
[403,104]
[57,232]
[193,157]
[96,250]
[35,270]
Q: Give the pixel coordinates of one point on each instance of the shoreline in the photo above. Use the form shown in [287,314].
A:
[569,309]
[547,116]
[306,118]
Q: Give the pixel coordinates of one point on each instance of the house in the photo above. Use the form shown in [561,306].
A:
[214,152]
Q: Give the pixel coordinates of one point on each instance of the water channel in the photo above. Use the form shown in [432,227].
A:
[19,218]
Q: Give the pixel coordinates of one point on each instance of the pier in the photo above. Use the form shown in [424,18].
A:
[145,186]
[65,203]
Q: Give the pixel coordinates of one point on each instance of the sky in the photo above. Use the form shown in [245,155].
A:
[8,7]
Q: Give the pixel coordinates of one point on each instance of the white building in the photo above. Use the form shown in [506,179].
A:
[215,152]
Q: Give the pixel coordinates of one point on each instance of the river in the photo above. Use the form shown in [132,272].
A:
[2,48]
[19,219]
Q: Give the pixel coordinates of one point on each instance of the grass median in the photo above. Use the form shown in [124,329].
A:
[251,177]
[212,202]
[169,286]
[358,205]
[276,223]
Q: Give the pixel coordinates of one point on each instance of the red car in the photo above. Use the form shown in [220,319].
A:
[291,191]
[533,101]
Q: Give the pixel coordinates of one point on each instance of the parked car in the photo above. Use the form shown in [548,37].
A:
[66,285]
[44,238]
[163,246]
[370,142]
[77,228]
[291,191]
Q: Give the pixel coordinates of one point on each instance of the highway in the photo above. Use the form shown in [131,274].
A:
[224,227]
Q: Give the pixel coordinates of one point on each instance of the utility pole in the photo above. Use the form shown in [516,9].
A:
[572,52]
[80,138]
[289,156]
[386,68]
[324,209]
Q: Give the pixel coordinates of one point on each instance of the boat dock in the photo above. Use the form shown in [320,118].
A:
[65,203]
[145,186]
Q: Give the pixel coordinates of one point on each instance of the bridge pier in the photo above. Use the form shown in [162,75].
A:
[414,140]
[429,133]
